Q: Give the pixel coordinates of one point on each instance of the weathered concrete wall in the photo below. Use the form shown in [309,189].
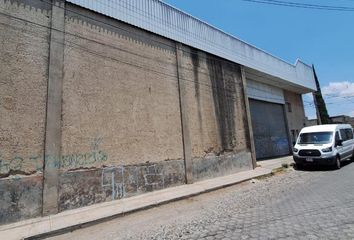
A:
[125,79]
[227,163]
[217,117]
[216,114]
[23,88]
[24,62]
[296,113]
[120,92]
[120,112]
[121,129]
[20,198]
[82,188]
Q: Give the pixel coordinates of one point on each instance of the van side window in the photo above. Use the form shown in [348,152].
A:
[343,134]
[349,133]
[337,137]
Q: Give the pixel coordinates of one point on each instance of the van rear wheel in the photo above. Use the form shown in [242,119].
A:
[337,164]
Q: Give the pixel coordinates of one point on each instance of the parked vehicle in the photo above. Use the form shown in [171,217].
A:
[328,144]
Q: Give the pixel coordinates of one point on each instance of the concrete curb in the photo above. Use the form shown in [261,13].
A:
[98,212]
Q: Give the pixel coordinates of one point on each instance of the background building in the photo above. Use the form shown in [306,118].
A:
[342,119]
[102,100]
[334,119]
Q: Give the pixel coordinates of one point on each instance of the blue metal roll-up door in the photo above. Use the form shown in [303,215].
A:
[269,129]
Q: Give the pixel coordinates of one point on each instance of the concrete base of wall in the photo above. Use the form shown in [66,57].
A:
[68,220]
[20,198]
[86,187]
[216,166]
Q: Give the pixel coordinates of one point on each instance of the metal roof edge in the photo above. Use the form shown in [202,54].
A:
[233,36]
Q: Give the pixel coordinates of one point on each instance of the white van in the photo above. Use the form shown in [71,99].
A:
[324,145]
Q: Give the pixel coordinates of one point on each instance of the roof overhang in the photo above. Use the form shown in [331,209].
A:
[263,77]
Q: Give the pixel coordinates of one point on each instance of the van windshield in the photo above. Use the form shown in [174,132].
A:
[316,138]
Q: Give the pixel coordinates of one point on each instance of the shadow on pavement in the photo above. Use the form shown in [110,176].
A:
[314,168]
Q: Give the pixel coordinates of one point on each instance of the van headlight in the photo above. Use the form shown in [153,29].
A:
[325,150]
[296,150]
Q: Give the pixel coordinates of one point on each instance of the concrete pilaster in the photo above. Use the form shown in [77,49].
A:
[187,147]
[288,130]
[54,109]
[249,120]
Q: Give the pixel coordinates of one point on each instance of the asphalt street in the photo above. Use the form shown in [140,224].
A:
[306,204]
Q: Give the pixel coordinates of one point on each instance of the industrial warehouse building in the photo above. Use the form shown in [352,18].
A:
[103,100]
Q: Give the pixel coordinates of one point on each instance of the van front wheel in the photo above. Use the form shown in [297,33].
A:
[337,164]
[299,166]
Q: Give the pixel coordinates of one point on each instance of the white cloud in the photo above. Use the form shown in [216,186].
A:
[339,98]
[341,89]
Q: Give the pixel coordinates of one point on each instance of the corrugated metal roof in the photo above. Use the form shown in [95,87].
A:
[165,20]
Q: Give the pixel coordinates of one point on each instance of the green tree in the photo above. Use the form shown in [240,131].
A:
[319,102]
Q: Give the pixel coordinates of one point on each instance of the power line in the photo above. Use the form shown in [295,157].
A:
[87,50]
[303,5]
[310,5]
[77,46]
[310,104]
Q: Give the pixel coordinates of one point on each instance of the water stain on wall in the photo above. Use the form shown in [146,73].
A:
[224,96]
[194,55]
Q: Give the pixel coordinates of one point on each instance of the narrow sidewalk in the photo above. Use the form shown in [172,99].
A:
[276,162]
[73,218]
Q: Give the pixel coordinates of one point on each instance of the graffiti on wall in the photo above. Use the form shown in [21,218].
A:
[73,160]
[16,163]
[132,179]
[114,178]
[152,178]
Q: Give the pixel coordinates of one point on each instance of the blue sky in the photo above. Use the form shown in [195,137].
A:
[324,38]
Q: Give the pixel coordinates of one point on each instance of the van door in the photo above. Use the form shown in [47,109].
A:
[350,141]
[346,148]
[340,149]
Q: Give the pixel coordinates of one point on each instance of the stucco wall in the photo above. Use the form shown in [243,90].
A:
[24,28]
[121,114]
[24,62]
[295,115]
[120,93]
[216,114]
[121,119]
